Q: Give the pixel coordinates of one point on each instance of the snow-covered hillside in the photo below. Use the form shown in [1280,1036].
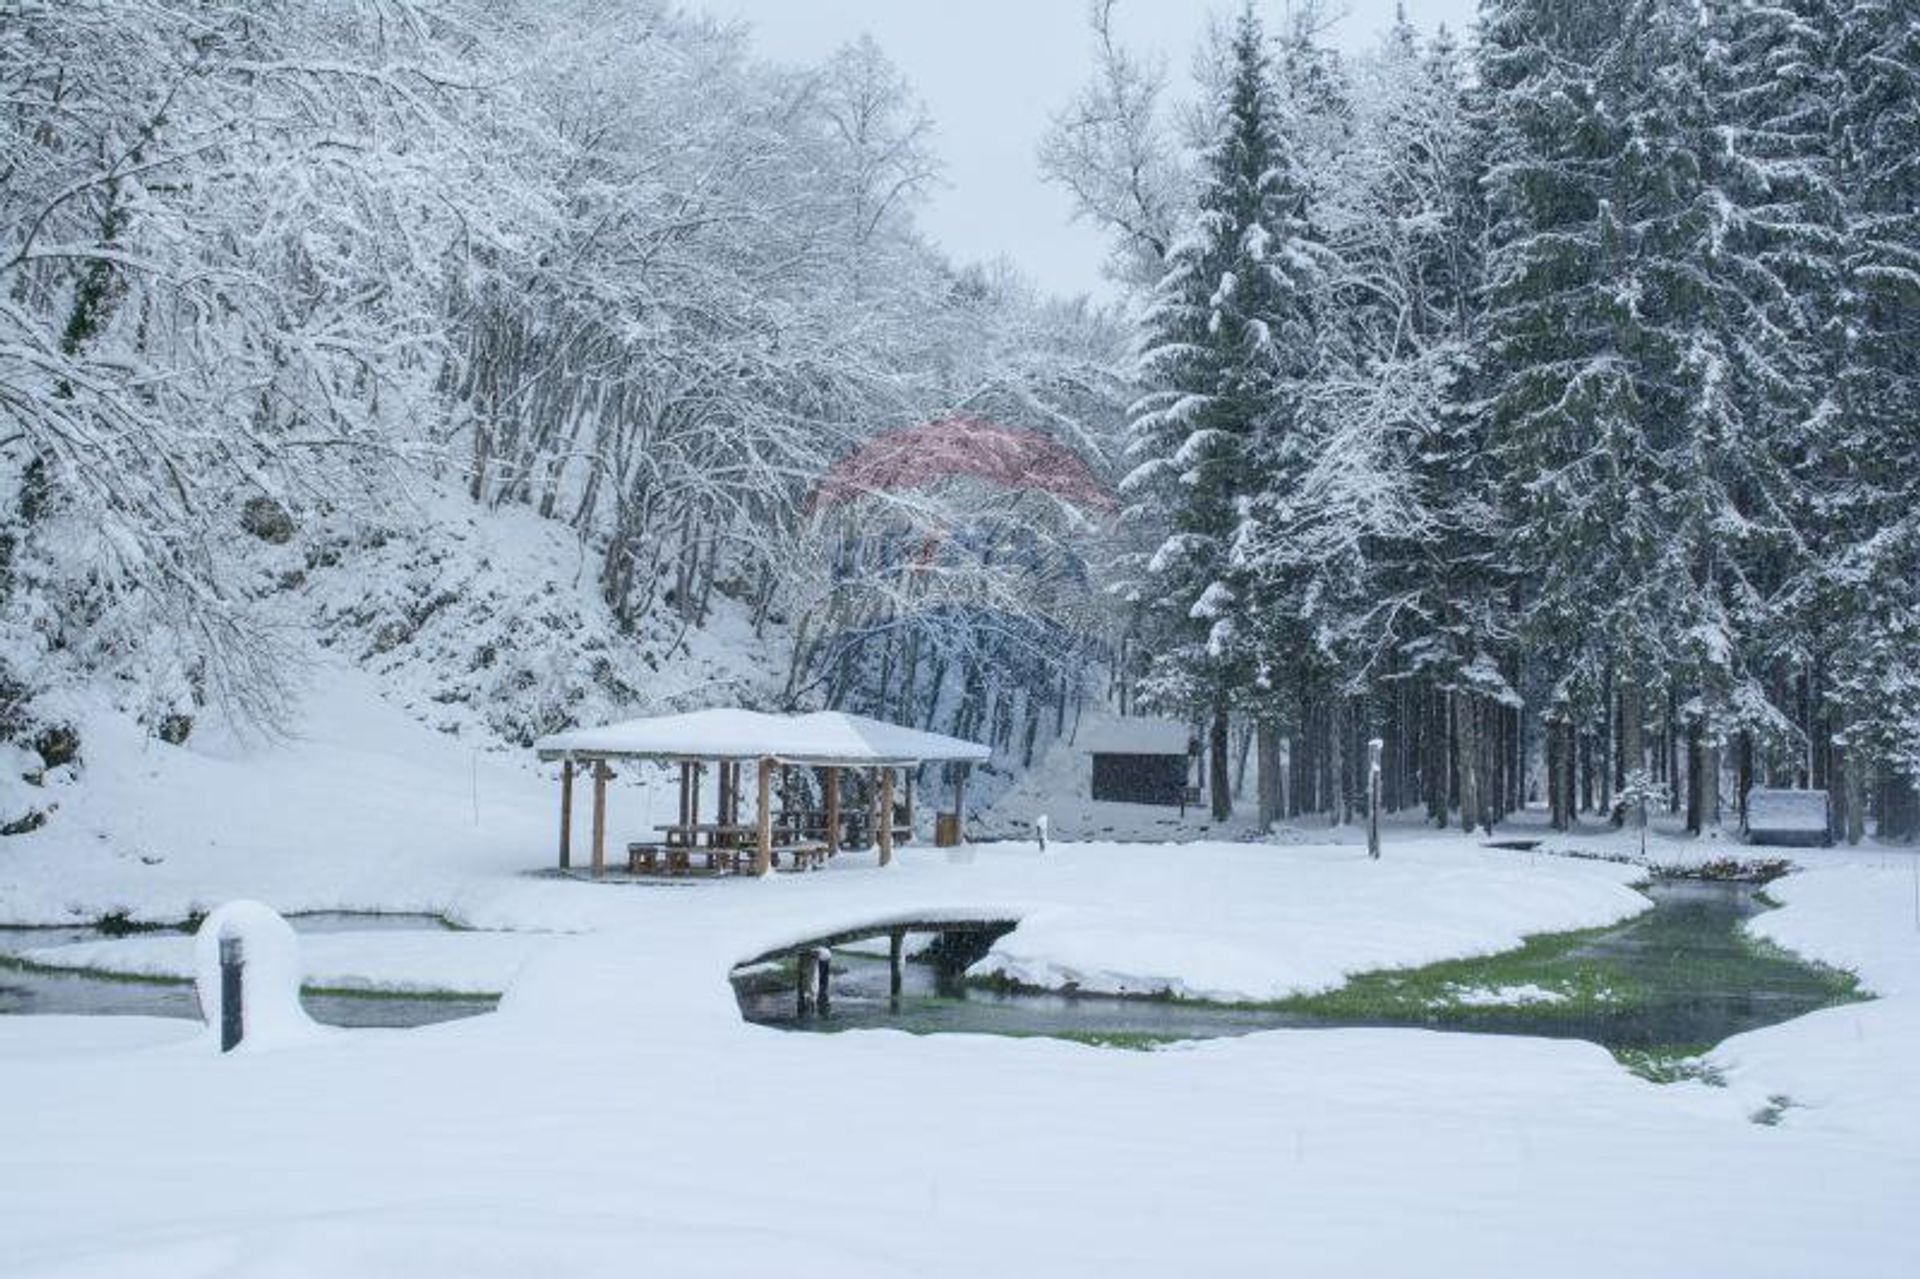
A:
[443,647]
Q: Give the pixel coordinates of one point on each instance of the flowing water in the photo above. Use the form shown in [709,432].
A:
[30,991]
[1678,978]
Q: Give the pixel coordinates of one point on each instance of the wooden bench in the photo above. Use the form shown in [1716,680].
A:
[650,859]
[804,856]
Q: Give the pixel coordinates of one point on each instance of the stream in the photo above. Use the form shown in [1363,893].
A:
[35,991]
[1677,978]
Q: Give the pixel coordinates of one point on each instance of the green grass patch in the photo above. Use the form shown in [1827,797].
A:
[426,996]
[21,965]
[1671,1065]
[1132,1040]
[1552,962]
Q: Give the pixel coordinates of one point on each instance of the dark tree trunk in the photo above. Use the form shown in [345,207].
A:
[1267,772]
[1217,778]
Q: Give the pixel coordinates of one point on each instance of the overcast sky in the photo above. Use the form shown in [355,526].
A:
[992,72]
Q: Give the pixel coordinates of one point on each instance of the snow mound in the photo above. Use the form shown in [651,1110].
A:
[270,976]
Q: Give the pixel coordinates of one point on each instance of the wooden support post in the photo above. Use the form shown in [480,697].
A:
[909,803]
[959,803]
[686,791]
[763,844]
[832,787]
[896,961]
[884,831]
[566,814]
[693,798]
[600,774]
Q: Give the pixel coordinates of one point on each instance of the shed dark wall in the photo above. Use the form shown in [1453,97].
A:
[1140,779]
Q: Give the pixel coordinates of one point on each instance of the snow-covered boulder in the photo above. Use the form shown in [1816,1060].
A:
[270,976]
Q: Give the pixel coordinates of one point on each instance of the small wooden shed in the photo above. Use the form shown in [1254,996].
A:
[1138,761]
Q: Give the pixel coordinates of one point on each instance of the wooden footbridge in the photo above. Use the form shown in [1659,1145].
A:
[960,942]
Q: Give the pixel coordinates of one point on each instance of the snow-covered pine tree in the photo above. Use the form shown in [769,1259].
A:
[1872,690]
[1223,337]
[1704,464]
[1776,89]
[1328,479]
[1562,409]
[1428,625]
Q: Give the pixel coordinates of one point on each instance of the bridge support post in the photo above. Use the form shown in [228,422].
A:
[823,978]
[896,962]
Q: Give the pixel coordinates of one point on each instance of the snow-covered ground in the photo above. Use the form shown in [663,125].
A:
[617,1115]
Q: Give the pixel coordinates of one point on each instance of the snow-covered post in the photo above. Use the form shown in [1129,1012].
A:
[247,975]
[1040,831]
[1374,747]
[233,959]
[822,975]
[566,814]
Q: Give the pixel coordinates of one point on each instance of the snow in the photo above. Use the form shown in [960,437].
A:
[1249,922]
[1060,784]
[361,808]
[1130,735]
[272,1015]
[617,1114]
[823,737]
[386,959]
[1797,812]
[1504,996]
[674,1141]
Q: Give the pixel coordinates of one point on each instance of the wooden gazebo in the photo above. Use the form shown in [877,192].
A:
[731,740]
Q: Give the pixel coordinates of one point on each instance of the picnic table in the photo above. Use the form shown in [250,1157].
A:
[722,846]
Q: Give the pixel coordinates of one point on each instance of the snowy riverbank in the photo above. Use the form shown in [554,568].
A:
[618,1113]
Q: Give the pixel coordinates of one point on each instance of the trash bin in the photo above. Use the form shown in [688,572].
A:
[946,830]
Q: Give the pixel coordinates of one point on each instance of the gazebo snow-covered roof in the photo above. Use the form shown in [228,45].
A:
[730,739]
[827,738]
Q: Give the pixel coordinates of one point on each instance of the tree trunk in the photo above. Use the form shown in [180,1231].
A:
[1854,823]
[1341,796]
[1217,779]
[1694,771]
[1266,741]
[1899,808]
[1559,779]
[1743,773]
[1466,736]
[1709,765]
